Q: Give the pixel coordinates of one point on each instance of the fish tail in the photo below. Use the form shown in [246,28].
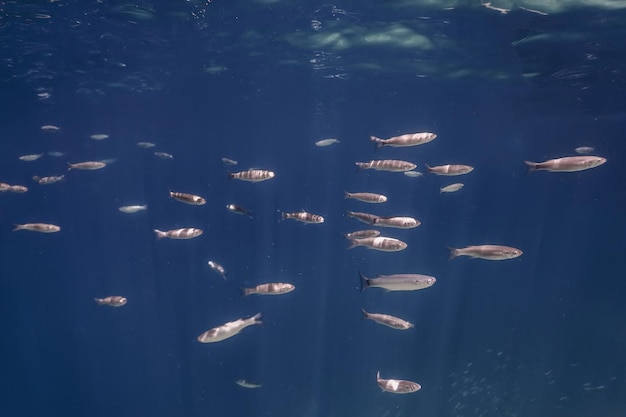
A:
[99,301]
[365,282]
[230,175]
[353,243]
[69,166]
[257,319]
[429,168]
[283,215]
[17,227]
[378,142]
[378,376]
[364,314]
[346,194]
[159,234]
[359,166]
[245,291]
[453,253]
[532,166]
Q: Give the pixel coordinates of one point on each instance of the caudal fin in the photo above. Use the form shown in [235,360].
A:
[453,253]
[160,234]
[378,142]
[365,282]
[257,319]
[532,166]
[99,301]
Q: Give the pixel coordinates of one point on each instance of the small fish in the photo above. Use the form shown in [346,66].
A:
[252,175]
[489,252]
[50,128]
[247,384]
[566,164]
[363,217]
[452,188]
[184,233]
[192,199]
[397,222]
[163,155]
[304,217]
[99,136]
[387,320]
[397,386]
[30,158]
[398,282]
[272,288]
[391,165]
[239,210]
[133,209]
[230,329]
[48,180]
[217,268]
[411,139]
[228,161]
[20,189]
[362,233]
[326,142]
[584,150]
[56,154]
[146,145]
[37,227]
[366,197]
[450,170]
[413,174]
[112,301]
[381,243]
[88,166]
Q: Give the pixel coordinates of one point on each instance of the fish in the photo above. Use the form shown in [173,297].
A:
[363,217]
[99,136]
[239,210]
[326,142]
[362,233]
[566,164]
[489,252]
[133,209]
[413,174]
[397,386]
[304,217]
[146,145]
[229,161]
[388,320]
[410,139]
[247,384]
[398,282]
[163,155]
[217,268]
[366,197]
[37,227]
[88,166]
[228,330]
[381,243]
[56,154]
[48,180]
[192,199]
[397,222]
[252,175]
[452,188]
[450,170]
[50,128]
[30,158]
[584,150]
[112,301]
[184,233]
[20,189]
[272,288]
[391,165]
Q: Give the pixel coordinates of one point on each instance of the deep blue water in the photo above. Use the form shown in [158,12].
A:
[540,335]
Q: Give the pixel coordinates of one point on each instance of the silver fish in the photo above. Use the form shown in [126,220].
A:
[30,158]
[397,386]
[56,154]
[239,210]
[362,233]
[452,188]
[112,301]
[398,282]
[48,180]
[89,165]
[272,288]
[489,252]
[363,217]
[450,170]
[146,145]
[304,217]
[184,233]
[229,161]
[566,164]
[381,243]
[413,174]
[133,209]
[411,139]
[164,155]
[186,198]
[217,268]
[388,320]
[37,227]
[99,136]
[397,222]
[584,150]
[230,329]
[50,128]
[20,189]
[392,165]
[247,384]
[326,142]
[252,175]
[366,197]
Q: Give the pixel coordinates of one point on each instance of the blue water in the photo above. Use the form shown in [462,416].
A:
[540,335]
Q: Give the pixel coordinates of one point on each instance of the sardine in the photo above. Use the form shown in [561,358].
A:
[489,252]
[233,208]
[381,243]
[184,233]
[304,217]
[230,329]
[388,320]
[326,142]
[252,175]
[450,170]
[411,139]
[566,164]
[37,227]
[272,288]
[363,217]
[88,166]
[133,209]
[397,222]
[186,198]
[48,180]
[30,158]
[217,268]
[112,301]
[247,384]
[366,197]
[392,165]
[397,386]
[398,282]
[359,234]
[452,188]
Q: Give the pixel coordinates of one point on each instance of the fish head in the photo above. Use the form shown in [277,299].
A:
[121,301]
[513,253]
[428,281]
[408,386]
[595,161]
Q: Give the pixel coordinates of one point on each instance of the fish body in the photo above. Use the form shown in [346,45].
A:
[87,166]
[367,197]
[363,217]
[194,200]
[452,188]
[228,161]
[20,189]
[247,384]
[391,165]
[146,145]
[450,170]
[385,244]
[411,139]
[133,209]
[112,301]
[397,222]
[584,150]
[397,386]
[37,227]
[252,175]
[217,268]
[566,164]
[163,155]
[359,234]
[304,217]
[272,288]
[184,233]
[398,282]
[489,252]
[29,158]
[48,180]
[326,142]
[99,136]
[388,320]
[233,208]
[228,330]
